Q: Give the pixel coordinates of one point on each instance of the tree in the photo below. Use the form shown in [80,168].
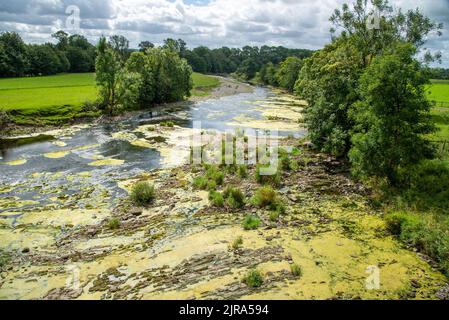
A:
[15,62]
[289,72]
[63,40]
[43,60]
[121,46]
[108,67]
[145,45]
[328,81]
[172,75]
[330,78]
[392,116]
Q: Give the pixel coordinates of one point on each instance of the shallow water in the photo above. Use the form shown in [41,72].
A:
[93,159]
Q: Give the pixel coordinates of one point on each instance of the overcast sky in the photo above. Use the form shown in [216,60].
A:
[214,23]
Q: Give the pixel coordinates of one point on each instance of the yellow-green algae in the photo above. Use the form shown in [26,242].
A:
[107,162]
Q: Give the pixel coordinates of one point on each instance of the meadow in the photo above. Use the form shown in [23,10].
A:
[58,99]
[439,92]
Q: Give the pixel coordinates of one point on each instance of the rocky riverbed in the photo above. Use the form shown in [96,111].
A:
[58,198]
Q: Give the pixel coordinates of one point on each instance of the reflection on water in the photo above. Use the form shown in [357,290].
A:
[66,178]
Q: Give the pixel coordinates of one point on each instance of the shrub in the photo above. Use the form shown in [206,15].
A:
[5,120]
[428,233]
[201,183]
[234,198]
[211,185]
[274,216]
[296,270]
[169,124]
[237,243]
[143,194]
[429,185]
[265,196]
[214,174]
[114,224]
[251,222]
[243,172]
[217,199]
[253,279]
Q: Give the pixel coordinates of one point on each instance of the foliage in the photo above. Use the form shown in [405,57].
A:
[392,117]
[296,270]
[107,75]
[251,222]
[253,279]
[142,194]
[425,232]
[14,62]
[217,199]
[288,73]
[330,78]
[265,196]
[235,198]
[243,171]
[237,243]
[114,224]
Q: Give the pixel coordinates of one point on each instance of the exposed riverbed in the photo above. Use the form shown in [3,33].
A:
[58,193]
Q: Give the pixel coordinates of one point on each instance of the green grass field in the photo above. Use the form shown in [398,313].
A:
[203,84]
[58,99]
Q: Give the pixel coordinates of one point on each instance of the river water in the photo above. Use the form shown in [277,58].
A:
[79,167]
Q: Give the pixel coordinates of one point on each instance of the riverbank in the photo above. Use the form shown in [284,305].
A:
[27,118]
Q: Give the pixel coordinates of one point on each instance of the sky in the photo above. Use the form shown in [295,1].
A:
[213,23]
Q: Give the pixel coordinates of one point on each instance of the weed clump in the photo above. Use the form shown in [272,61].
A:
[253,279]
[237,243]
[235,198]
[296,270]
[113,224]
[217,199]
[251,222]
[265,196]
[142,194]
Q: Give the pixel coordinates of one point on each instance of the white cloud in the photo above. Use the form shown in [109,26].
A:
[292,23]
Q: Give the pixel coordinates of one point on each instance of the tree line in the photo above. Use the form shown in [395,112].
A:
[72,53]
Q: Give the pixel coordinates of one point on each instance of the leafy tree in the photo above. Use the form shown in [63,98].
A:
[108,66]
[392,116]
[43,60]
[63,40]
[345,59]
[145,45]
[172,75]
[15,61]
[140,63]
[268,74]
[328,81]
[289,72]
[80,60]
[121,46]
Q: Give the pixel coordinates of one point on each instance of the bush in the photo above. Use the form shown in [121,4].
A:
[234,198]
[5,120]
[114,224]
[201,183]
[251,223]
[214,174]
[217,199]
[243,172]
[274,216]
[429,185]
[169,124]
[253,279]
[296,270]
[237,243]
[428,233]
[143,194]
[265,196]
